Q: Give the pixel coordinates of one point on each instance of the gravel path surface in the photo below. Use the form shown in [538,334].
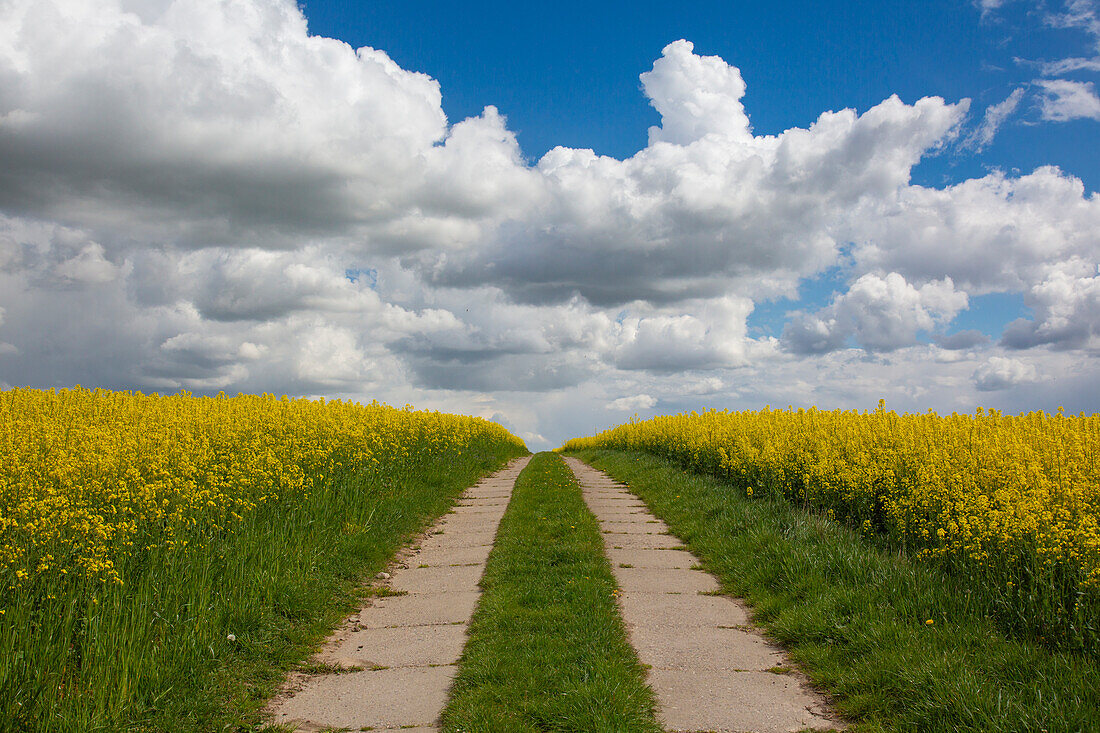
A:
[709,668]
[402,649]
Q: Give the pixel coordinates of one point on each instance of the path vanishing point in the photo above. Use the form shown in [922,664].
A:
[709,668]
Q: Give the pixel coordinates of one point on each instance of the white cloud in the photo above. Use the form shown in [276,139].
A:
[87,266]
[987,234]
[696,96]
[229,125]
[54,256]
[632,403]
[1065,100]
[698,335]
[879,313]
[1067,311]
[331,357]
[716,215]
[1069,65]
[6,349]
[1080,14]
[995,116]
[226,123]
[1000,373]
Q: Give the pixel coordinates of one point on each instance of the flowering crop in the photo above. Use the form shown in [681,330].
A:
[148,541]
[89,476]
[1015,500]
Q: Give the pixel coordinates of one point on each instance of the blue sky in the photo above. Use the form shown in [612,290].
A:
[787,203]
[567,73]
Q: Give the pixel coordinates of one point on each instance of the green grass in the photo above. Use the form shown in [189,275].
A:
[155,654]
[547,650]
[855,617]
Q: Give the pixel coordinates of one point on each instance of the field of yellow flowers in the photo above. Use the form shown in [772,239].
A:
[1013,501]
[138,532]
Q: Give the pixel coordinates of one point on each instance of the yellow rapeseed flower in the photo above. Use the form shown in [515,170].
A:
[88,477]
[986,489]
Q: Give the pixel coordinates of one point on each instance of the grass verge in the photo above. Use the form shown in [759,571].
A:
[897,644]
[547,650]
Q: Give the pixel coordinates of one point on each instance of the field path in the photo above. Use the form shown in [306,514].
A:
[403,648]
[709,668]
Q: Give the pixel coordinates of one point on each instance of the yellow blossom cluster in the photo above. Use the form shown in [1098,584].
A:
[91,476]
[988,489]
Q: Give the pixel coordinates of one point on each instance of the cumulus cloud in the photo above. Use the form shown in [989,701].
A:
[228,124]
[879,313]
[1067,311]
[231,126]
[331,357]
[988,234]
[54,256]
[1000,373]
[696,96]
[632,403]
[700,335]
[719,211]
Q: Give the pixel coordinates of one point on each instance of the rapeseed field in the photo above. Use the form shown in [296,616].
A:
[1013,501]
[145,538]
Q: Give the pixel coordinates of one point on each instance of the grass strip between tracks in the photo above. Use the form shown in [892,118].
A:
[894,642]
[547,650]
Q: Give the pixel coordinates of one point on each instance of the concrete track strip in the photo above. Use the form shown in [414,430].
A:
[709,668]
[403,648]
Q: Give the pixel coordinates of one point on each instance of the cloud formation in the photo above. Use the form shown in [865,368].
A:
[630,404]
[1063,100]
[995,116]
[1067,311]
[1001,373]
[878,313]
[202,195]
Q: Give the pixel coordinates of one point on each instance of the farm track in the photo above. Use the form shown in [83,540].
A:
[710,669]
[390,665]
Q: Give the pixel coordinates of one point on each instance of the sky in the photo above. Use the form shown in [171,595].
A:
[555,216]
